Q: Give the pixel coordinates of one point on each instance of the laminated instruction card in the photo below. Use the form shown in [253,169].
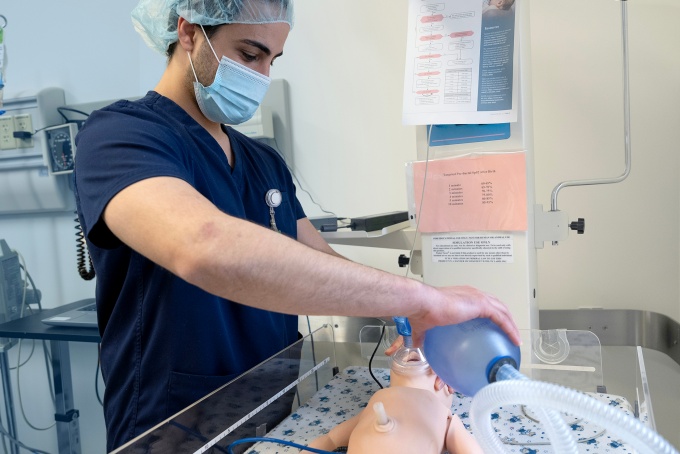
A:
[485,192]
[461,62]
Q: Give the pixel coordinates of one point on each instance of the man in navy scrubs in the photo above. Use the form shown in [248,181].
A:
[203,253]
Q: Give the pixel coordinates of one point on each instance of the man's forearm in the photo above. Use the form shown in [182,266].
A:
[264,269]
[252,265]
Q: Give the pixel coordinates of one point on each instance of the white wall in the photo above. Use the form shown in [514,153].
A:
[344,62]
[628,257]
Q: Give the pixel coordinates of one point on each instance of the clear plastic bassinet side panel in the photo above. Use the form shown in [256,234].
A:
[249,405]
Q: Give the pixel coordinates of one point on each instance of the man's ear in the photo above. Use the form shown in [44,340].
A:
[186,34]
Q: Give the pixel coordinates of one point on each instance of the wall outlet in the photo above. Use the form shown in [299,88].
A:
[24,122]
[7,140]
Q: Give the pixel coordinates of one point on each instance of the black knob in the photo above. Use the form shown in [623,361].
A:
[403,261]
[579,226]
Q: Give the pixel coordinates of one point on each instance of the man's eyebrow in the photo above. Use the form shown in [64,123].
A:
[260,46]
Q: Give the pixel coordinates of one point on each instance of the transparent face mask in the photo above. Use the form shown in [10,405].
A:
[409,361]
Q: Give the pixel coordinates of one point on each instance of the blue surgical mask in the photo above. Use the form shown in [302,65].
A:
[234,95]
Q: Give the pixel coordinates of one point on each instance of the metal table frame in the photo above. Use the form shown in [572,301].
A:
[32,327]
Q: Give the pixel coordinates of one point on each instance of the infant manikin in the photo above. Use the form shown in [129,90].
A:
[413,415]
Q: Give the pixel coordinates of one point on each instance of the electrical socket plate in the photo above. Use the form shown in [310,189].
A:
[24,122]
[7,140]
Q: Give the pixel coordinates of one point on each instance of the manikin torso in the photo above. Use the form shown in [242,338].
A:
[413,415]
[419,420]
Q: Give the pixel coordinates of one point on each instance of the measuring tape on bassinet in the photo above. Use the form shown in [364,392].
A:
[241,421]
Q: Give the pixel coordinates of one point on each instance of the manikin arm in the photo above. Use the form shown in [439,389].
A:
[338,435]
[459,440]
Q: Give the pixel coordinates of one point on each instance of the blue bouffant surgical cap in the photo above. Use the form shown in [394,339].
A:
[156,20]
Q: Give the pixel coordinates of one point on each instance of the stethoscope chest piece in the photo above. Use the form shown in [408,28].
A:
[273,199]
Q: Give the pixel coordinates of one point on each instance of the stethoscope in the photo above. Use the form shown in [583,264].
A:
[273,199]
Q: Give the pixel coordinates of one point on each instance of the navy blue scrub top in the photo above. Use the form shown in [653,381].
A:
[165,342]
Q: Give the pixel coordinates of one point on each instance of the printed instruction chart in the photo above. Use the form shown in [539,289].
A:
[460,62]
[471,193]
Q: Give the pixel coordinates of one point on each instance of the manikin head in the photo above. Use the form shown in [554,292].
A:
[411,369]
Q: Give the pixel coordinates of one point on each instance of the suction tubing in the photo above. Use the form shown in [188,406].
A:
[536,394]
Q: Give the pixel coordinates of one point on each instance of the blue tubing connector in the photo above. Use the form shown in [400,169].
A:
[404,330]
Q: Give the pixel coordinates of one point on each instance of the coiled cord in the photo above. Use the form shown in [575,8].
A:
[85,271]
